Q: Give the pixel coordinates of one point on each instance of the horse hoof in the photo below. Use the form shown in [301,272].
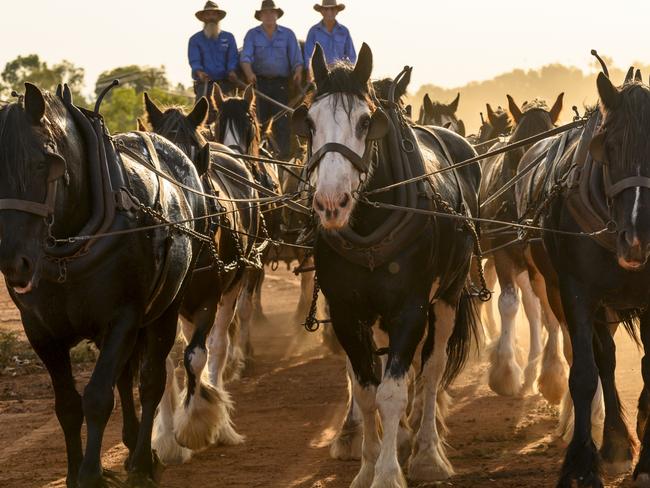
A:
[347,447]
[430,465]
[140,480]
[505,377]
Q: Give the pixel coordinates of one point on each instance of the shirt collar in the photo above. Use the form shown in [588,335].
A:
[261,30]
[321,26]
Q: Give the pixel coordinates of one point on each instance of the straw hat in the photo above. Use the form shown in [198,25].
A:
[268,5]
[210,8]
[329,4]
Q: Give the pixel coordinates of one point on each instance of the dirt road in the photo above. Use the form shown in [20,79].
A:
[289,407]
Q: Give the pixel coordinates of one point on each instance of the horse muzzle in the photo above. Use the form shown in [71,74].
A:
[632,252]
[333,209]
[19,271]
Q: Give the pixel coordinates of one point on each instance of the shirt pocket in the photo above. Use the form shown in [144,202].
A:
[259,49]
[339,44]
[280,50]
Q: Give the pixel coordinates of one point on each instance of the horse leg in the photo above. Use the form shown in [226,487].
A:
[159,337]
[553,379]
[130,422]
[347,443]
[67,401]
[245,314]
[163,440]
[218,344]
[98,398]
[533,311]
[505,375]
[258,311]
[406,331]
[490,274]
[357,342]
[306,290]
[642,469]
[617,447]
[581,462]
[429,461]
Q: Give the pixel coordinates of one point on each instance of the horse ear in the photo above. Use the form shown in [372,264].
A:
[299,122]
[608,93]
[217,96]
[556,109]
[140,125]
[318,65]
[378,125]
[461,128]
[363,68]
[409,111]
[514,109]
[597,147]
[400,89]
[34,103]
[59,90]
[67,94]
[629,75]
[427,104]
[447,125]
[492,117]
[198,114]
[249,95]
[637,76]
[202,162]
[453,106]
[153,112]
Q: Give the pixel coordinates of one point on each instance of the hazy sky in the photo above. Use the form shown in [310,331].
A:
[448,42]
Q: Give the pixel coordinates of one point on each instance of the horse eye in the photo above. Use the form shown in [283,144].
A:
[365,122]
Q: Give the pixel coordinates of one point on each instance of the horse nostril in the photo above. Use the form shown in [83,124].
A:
[25,265]
[344,200]
[319,205]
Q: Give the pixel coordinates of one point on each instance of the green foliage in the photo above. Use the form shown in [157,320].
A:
[126,104]
[140,78]
[31,68]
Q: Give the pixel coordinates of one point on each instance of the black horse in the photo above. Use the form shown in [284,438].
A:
[123,292]
[418,277]
[602,174]
[441,114]
[498,124]
[215,292]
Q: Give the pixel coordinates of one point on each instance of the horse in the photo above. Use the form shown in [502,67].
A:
[593,182]
[122,289]
[237,128]
[393,295]
[441,115]
[498,124]
[214,294]
[505,374]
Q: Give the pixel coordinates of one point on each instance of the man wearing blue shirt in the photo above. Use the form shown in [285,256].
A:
[271,59]
[212,54]
[333,37]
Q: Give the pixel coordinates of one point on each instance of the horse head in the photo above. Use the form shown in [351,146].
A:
[621,145]
[442,115]
[341,121]
[236,125]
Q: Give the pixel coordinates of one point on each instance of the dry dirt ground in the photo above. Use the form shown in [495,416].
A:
[289,407]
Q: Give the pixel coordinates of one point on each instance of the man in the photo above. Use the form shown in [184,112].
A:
[333,37]
[271,59]
[212,54]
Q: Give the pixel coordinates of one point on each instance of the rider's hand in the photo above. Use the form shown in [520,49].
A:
[297,77]
[252,79]
[203,76]
[232,76]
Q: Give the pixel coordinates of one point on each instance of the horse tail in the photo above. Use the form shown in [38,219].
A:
[465,330]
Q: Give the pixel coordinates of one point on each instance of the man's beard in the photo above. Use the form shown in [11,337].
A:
[211,30]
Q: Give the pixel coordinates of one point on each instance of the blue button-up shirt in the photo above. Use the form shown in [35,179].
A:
[278,56]
[217,57]
[337,45]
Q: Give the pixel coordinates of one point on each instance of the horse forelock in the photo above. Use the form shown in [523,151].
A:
[22,142]
[341,81]
[175,127]
[243,116]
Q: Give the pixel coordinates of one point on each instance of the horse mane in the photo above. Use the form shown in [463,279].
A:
[341,81]
[18,142]
[174,122]
[630,123]
[536,102]
[232,109]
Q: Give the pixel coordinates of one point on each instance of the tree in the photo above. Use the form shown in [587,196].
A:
[31,68]
[141,78]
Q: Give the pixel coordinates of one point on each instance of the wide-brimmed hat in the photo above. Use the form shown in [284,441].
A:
[329,4]
[268,5]
[210,8]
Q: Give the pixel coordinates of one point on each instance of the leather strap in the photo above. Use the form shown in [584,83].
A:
[362,163]
[631,182]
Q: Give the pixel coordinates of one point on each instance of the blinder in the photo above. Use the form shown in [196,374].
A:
[57,171]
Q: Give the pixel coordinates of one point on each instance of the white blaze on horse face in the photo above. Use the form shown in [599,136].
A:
[231,138]
[335,176]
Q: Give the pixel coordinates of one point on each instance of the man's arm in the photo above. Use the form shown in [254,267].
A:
[246,58]
[232,59]
[350,52]
[196,63]
[310,45]
[295,58]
